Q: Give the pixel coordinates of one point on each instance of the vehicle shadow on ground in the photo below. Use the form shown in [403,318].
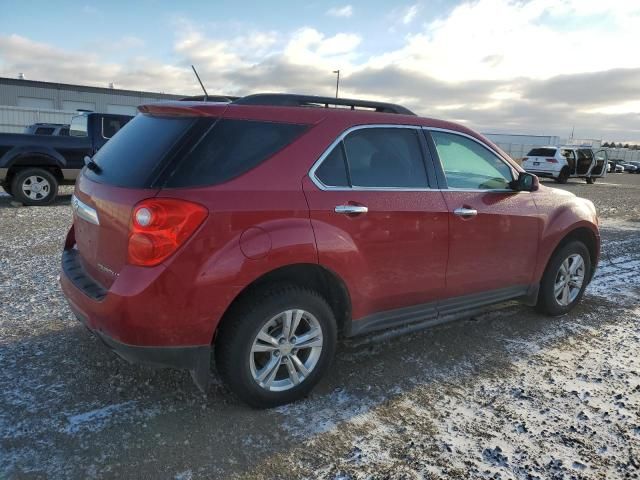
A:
[65,392]
[7,201]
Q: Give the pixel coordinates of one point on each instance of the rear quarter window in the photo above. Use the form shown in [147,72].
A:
[230,148]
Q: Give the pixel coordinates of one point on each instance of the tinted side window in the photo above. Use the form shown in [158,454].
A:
[230,148]
[385,157]
[467,164]
[333,170]
[44,130]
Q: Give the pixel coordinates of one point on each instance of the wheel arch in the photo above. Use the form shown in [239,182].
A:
[35,160]
[586,236]
[308,275]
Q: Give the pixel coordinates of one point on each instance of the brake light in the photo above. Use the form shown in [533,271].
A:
[551,160]
[525,159]
[159,226]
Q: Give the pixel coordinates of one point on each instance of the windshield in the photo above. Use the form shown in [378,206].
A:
[78,126]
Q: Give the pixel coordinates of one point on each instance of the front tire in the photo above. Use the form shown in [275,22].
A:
[34,186]
[275,346]
[591,180]
[565,279]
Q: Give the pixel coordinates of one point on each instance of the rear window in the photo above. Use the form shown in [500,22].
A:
[542,152]
[229,148]
[135,154]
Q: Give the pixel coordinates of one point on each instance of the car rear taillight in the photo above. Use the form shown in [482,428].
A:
[551,160]
[159,226]
[525,159]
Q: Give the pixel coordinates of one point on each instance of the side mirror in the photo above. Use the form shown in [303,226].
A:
[526,182]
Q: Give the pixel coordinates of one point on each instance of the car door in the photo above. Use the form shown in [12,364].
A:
[377,223]
[493,230]
[601,164]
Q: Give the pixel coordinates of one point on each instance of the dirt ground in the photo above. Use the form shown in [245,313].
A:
[507,394]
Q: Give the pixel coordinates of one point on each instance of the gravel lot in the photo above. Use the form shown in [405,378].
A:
[508,394]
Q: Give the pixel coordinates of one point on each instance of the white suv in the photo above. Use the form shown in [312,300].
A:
[563,163]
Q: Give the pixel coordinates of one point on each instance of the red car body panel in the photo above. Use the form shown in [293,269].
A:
[409,249]
[495,249]
[394,256]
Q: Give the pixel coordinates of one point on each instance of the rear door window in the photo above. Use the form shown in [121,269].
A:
[385,158]
[133,157]
[332,172]
[230,148]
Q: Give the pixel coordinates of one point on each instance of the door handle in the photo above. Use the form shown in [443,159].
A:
[351,209]
[465,212]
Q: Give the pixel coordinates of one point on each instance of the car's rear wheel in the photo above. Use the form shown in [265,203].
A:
[591,180]
[563,176]
[565,279]
[34,186]
[274,347]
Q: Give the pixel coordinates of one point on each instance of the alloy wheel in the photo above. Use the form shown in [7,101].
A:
[569,279]
[286,350]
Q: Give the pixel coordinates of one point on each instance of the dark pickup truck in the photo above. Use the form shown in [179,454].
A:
[32,166]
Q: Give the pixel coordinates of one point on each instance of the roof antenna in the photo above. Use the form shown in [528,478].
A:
[206,95]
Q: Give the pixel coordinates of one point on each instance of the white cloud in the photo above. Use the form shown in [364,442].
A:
[410,14]
[345,11]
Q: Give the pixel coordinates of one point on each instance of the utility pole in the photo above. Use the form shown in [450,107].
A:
[337,81]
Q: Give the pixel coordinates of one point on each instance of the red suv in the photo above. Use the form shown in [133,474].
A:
[265,228]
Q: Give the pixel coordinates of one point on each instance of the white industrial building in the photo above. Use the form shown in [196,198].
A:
[25,102]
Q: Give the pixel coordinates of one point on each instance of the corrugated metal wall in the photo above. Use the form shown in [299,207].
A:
[23,102]
[15,119]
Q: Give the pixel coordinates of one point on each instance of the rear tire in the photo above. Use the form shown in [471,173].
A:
[563,177]
[261,360]
[565,279]
[591,180]
[34,186]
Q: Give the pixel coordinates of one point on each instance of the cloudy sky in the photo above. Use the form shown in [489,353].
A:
[538,66]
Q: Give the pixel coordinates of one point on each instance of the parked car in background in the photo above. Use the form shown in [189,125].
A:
[615,167]
[629,167]
[563,163]
[47,129]
[637,165]
[32,166]
[263,229]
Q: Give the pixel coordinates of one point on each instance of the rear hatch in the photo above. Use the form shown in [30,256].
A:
[129,165]
[542,158]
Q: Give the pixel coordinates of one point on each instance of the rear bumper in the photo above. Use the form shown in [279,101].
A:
[188,358]
[143,306]
[139,320]
[543,173]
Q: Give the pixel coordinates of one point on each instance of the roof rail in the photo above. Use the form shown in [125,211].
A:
[209,98]
[291,100]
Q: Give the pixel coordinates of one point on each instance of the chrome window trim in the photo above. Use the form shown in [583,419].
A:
[482,144]
[318,183]
[84,211]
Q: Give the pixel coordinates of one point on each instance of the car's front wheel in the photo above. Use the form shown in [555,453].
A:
[275,346]
[591,180]
[565,279]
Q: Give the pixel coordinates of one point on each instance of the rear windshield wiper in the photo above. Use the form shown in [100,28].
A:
[91,165]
